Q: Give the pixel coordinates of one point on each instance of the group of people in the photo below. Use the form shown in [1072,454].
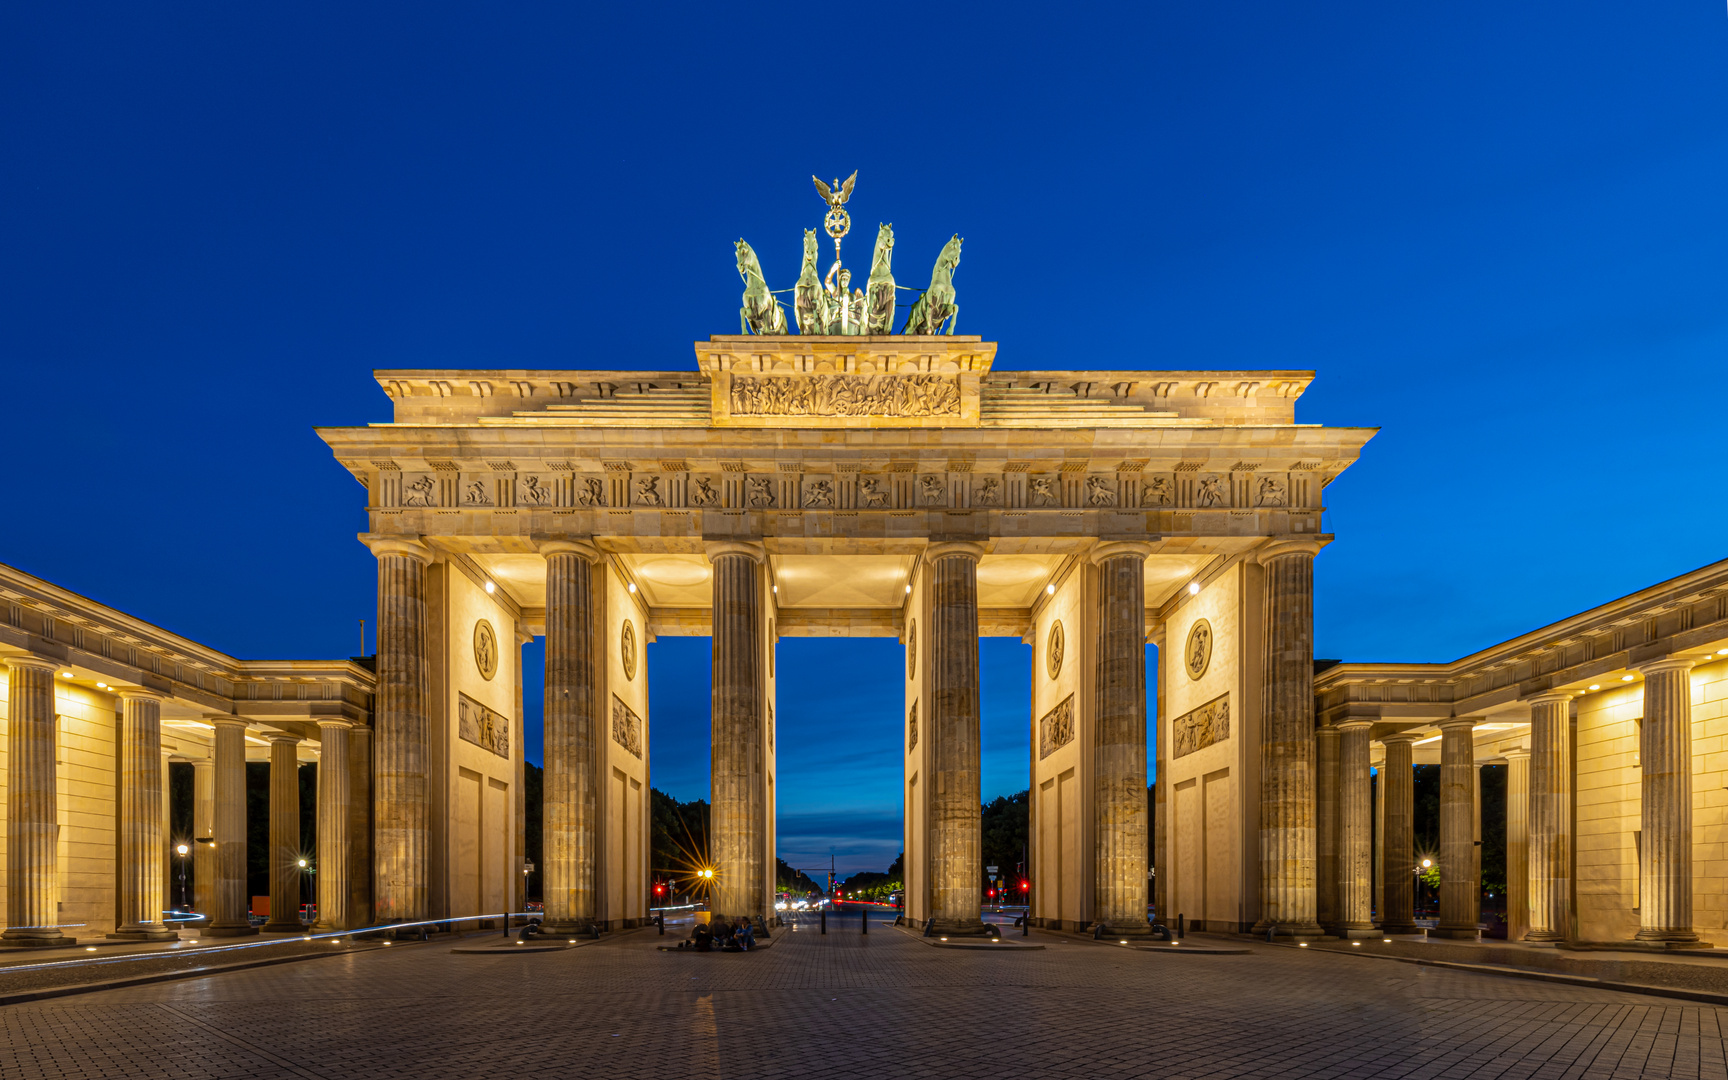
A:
[724,935]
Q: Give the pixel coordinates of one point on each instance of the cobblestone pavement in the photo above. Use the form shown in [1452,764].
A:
[840,1006]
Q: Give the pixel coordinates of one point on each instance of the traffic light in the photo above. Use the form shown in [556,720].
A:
[1025,885]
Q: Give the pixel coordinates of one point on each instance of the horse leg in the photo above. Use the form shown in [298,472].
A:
[743,320]
[953,317]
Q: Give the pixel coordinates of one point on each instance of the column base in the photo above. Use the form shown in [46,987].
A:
[1457,933]
[322,927]
[1292,931]
[1543,937]
[35,939]
[1120,930]
[1634,946]
[569,928]
[1354,931]
[1388,929]
[1670,939]
[230,931]
[145,933]
[282,928]
[956,928]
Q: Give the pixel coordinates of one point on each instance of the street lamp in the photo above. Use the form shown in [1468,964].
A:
[183,850]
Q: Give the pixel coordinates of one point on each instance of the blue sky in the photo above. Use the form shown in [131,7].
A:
[1497,232]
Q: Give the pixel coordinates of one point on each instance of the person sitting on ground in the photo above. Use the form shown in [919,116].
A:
[725,937]
[703,937]
[745,935]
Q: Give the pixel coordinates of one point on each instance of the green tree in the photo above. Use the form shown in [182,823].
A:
[1004,835]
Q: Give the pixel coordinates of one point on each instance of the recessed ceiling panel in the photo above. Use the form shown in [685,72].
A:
[673,580]
[1167,573]
[841,581]
[1013,581]
[522,577]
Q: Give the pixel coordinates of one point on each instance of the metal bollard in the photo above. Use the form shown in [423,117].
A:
[864,921]
[1026,923]
[506,924]
[1181,925]
[824,920]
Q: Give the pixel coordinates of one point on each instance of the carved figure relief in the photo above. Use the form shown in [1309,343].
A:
[989,491]
[1100,491]
[1197,654]
[485,650]
[591,491]
[912,729]
[1156,492]
[1055,647]
[1043,490]
[1197,730]
[704,494]
[770,729]
[1210,492]
[626,727]
[820,495]
[1272,492]
[931,489]
[1056,728]
[912,650]
[648,490]
[534,492]
[421,492]
[845,395]
[761,491]
[627,649]
[477,724]
[474,494]
[873,495]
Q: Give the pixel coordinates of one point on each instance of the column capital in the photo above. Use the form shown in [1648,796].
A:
[282,737]
[582,548]
[35,662]
[1457,722]
[1666,663]
[1551,697]
[333,723]
[1515,755]
[1116,549]
[406,546]
[754,550]
[223,720]
[1399,737]
[1290,545]
[963,548]
[130,694]
[1355,723]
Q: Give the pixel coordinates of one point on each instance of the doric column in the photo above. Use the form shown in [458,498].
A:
[141,843]
[228,908]
[203,837]
[1550,842]
[170,900]
[1161,796]
[1119,750]
[1379,785]
[1326,825]
[334,889]
[1665,753]
[1517,845]
[737,845]
[402,755]
[360,861]
[1287,871]
[1460,889]
[1398,851]
[284,836]
[572,738]
[32,824]
[955,826]
[1355,832]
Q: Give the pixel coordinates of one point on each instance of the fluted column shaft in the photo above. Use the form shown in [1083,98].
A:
[1379,786]
[1665,752]
[1355,832]
[203,833]
[1517,846]
[228,916]
[1287,826]
[955,826]
[402,754]
[1460,890]
[572,738]
[334,888]
[32,824]
[1326,825]
[1398,850]
[738,787]
[142,842]
[284,835]
[1550,841]
[1119,753]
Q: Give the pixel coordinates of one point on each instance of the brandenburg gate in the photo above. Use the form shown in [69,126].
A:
[848,485]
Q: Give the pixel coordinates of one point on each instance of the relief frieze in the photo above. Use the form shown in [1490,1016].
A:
[626,727]
[1056,728]
[481,726]
[1202,727]
[845,395]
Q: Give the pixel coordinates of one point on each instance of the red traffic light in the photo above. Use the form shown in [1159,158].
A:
[1024,885]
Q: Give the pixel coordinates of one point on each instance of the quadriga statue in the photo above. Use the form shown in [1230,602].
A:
[809,298]
[761,313]
[937,304]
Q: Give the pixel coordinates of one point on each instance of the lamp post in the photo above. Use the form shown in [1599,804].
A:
[183,850]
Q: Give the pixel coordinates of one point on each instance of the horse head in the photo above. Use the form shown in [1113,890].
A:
[950,256]
[884,249]
[747,264]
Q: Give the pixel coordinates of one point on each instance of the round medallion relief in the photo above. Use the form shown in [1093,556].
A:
[912,650]
[627,649]
[485,650]
[1198,653]
[1054,649]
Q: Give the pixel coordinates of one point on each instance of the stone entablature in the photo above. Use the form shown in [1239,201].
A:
[1686,613]
[42,619]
